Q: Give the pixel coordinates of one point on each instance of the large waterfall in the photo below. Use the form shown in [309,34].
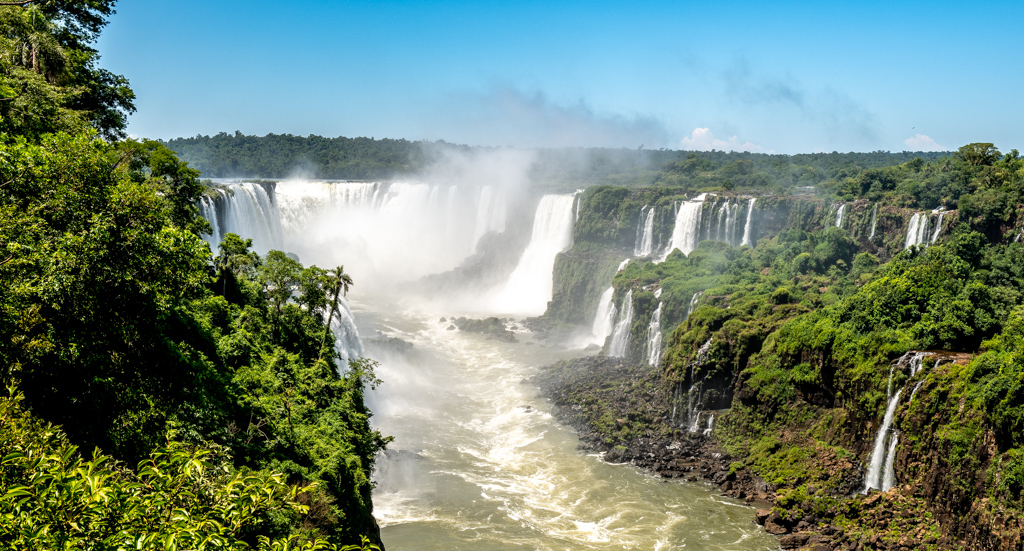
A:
[645,232]
[248,209]
[747,225]
[917,230]
[686,233]
[620,336]
[529,288]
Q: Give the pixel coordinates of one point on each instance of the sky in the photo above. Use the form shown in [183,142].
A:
[782,77]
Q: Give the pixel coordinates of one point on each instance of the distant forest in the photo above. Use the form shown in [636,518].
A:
[283,155]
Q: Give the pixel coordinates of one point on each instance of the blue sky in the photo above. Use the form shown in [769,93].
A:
[785,77]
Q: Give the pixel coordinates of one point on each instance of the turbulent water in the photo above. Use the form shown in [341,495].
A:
[478,461]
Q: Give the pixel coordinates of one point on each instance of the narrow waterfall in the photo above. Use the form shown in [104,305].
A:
[881,474]
[654,337]
[917,230]
[889,476]
[346,337]
[874,481]
[529,288]
[874,221]
[694,397]
[645,233]
[746,226]
[208,210]
[686,233]
[839,215]
[693,303]
[938,227]
[604,320]
[620,336]
[711,424]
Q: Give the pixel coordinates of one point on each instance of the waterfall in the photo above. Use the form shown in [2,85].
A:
[878,454]
[620,336]
[839,215]
[881,475]
[208,210]
[346,337]
[248,209]
[529,288]
[938,227]
[252,211]
[917,230]
[711,423]
[604,320]
[874,221]
[889,478]
[686,233]
[654,337]
[693,303]
[645,233]
[746,226]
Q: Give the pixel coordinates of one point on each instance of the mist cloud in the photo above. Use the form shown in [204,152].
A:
[921,142]
[504,115]
[833,112]
[701,139]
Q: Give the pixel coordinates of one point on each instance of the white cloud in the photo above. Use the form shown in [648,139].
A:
[920,142]
[701,139]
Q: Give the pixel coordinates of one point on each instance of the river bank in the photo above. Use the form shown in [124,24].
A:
[621,411]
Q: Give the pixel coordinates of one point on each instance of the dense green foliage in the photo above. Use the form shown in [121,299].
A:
[797,339]
[120,332]
[282,155]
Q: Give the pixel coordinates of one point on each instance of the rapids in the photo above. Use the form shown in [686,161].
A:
[478,461]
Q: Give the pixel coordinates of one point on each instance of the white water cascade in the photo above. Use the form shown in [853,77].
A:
[881,474]
[654,337]
[917,230]
[746,226]
[839,215]
[645,232]
[874,221]
[604,321]
[938,224]
[388,234]
[620,336]
[529,288]
[693,303]
[248,209]
[686,233]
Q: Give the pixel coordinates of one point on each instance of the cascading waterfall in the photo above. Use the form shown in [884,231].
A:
[529,288]
[694,398]
[938,225]
[874,480]
[881,474]
[645,232]
[917,230]
[693,303]
[839,215]
[746,226]
[654,337]
[620,336]
[382,232]
[874,221]
[604,321]
[711,424]
[248,209]
[208,210]
[686,233]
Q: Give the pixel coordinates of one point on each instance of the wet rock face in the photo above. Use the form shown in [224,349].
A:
[492,327]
